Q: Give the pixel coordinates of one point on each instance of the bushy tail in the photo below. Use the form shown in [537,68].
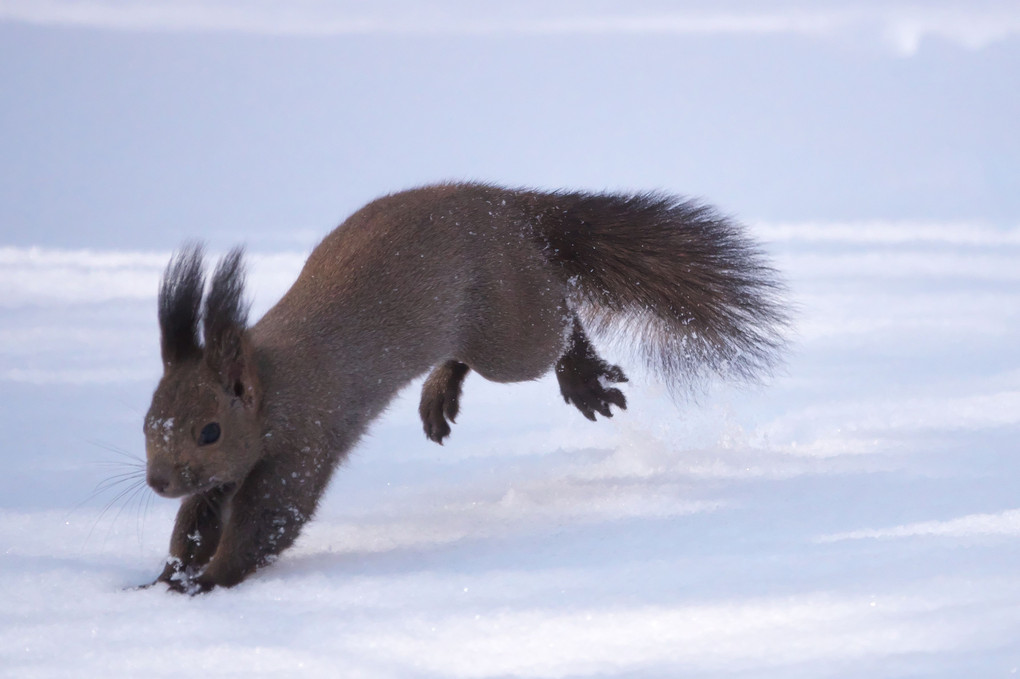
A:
[695,290]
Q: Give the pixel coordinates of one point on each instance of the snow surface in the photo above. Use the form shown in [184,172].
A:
[857,517]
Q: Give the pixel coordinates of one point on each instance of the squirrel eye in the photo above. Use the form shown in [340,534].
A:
[210,434]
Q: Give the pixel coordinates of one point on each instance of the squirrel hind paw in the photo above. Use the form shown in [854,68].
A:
[586,386]
[440,399]
[436,429]
[593,397]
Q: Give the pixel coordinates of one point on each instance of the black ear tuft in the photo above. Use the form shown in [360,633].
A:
[225,305]
[180,301]
[226,318]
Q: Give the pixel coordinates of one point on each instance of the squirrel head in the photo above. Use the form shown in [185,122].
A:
[203,427]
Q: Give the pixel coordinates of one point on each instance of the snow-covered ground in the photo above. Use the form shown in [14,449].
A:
[857,517]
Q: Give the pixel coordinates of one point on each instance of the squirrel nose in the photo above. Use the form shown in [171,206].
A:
[158,480]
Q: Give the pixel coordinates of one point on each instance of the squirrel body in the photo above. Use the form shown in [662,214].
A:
[248,423]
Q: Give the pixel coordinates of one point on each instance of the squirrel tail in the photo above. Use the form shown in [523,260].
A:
[687,283]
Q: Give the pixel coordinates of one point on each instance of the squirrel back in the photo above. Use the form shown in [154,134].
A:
[442,279]
[483,273]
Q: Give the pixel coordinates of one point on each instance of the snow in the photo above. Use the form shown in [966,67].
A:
[856,517]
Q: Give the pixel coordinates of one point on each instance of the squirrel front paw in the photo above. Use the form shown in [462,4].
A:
[181,579]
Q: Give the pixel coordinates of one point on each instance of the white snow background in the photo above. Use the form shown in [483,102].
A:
[857,517]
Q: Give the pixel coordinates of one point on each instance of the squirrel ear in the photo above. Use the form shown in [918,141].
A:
[232,359]
[180,300]
[227,348]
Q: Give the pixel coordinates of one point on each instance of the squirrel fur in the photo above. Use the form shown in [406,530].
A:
[248,422]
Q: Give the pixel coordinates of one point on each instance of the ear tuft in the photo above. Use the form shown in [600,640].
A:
[179,305]
[225,307]
[226,323]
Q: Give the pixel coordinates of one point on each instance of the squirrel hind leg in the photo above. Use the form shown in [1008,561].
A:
[585,377]
[440,399]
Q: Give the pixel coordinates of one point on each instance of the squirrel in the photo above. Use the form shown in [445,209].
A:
[248,422]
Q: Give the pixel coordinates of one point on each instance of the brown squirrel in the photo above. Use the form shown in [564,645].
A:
[248,423]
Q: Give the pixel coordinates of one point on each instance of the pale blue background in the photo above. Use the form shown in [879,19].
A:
[138,138]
